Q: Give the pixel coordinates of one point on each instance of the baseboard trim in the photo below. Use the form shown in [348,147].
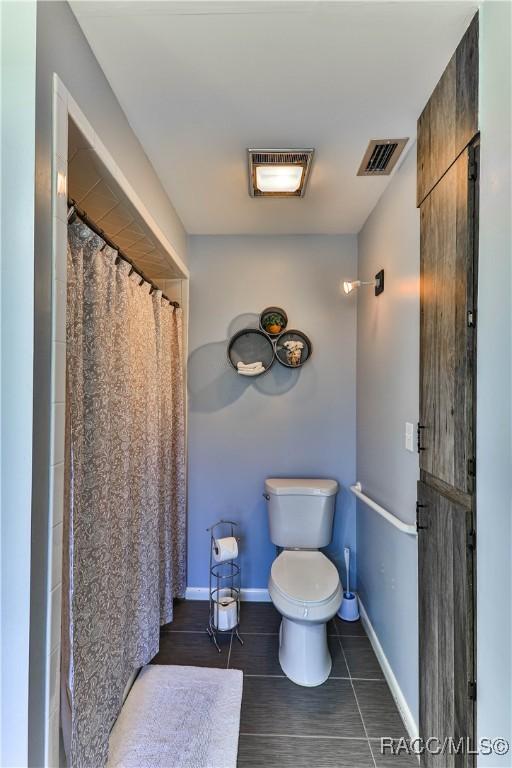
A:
[248,595]
[396,691]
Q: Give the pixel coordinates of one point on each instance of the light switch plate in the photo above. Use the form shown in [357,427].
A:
[409,436]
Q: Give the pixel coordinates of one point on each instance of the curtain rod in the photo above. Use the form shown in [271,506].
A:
[74,209]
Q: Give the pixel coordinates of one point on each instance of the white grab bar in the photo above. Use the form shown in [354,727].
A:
[393,519]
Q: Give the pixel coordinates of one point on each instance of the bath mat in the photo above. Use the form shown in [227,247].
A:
[179,717]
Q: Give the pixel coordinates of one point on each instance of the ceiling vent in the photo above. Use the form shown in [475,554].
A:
[279,172]
[381,157]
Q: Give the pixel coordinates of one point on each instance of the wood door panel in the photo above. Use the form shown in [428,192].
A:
[447,194]
[446,624]
[449,121]
[445,339]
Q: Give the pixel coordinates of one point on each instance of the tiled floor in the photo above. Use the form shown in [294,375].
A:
[336,725]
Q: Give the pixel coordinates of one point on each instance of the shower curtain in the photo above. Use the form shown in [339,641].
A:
[125,526]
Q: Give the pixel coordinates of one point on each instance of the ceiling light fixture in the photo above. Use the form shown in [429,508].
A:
[378,283]
[278,172]
[278,178]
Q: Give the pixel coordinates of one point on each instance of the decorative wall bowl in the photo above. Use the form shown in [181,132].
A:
[251,345]
[293,349]
[273,320]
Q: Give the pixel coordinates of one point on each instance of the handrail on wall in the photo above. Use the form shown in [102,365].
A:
[393,519]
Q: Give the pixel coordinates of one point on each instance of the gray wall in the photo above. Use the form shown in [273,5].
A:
[18,72]
[494,385]
[387,397]
[287,422]
[62,48]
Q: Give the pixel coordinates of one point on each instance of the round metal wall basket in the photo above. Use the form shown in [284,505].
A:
[290,356]
[273,320]
[251,345]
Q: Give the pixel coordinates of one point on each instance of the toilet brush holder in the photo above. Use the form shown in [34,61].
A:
[349,609]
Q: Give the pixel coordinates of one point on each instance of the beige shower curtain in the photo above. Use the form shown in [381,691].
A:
[125,526]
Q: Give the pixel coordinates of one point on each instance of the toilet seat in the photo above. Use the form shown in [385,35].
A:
[304,576]
[305,586]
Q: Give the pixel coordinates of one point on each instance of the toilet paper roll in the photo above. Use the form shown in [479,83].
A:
[225,549]
[225,613]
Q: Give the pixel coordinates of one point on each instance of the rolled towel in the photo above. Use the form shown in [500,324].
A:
[251,371]
[249,366]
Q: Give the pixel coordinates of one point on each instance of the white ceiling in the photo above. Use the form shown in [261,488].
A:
[202,81]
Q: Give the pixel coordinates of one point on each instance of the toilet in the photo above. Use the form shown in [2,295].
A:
[304,585]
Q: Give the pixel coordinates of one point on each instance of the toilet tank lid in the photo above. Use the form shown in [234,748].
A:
[300,486]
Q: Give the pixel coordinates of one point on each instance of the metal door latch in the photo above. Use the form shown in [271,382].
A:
[419,429]
[418,507]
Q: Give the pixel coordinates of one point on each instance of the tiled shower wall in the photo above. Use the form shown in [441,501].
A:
[58,387]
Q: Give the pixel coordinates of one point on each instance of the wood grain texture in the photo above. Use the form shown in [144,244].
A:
[192,649]
[458,497]
[446,651]
[446,342]
[388,760]
[378,710]
[361,659]
[449,121]
[259,655]
[276,706]
[447,194]
[259,617]
[348,628]
[288,752]
[189,615]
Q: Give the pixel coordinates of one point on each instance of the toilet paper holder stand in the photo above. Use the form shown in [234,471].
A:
[224,588]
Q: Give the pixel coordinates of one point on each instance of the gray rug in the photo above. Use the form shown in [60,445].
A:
[179,717]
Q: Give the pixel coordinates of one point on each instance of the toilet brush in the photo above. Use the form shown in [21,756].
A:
[349,610]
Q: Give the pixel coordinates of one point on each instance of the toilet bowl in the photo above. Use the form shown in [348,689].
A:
[304,585]
[306,590]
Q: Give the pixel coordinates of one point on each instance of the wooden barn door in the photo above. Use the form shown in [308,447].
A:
[446,329]
[448,202]
[446,621]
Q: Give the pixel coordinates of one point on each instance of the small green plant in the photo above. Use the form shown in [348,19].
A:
[272,321]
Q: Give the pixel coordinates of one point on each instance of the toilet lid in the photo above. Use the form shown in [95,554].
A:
[305,576]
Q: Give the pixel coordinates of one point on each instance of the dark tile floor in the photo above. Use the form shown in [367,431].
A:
[336,725]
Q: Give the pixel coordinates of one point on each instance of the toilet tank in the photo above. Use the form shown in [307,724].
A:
[300,511]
